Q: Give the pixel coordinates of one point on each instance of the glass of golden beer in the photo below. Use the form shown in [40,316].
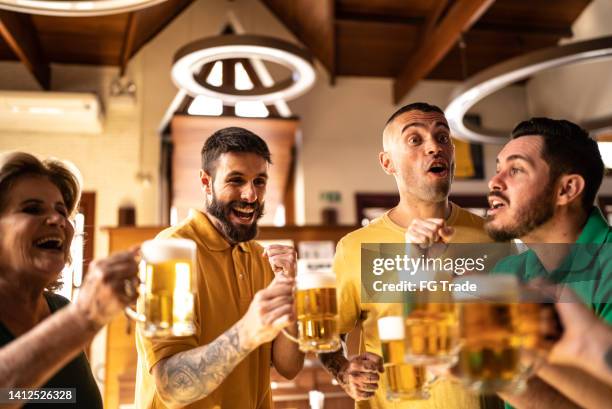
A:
[166,300]
[316,308]
[404,380]
[432,333]
[490,359]
[540,326]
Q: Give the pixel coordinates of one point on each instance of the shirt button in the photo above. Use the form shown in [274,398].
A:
[241,275]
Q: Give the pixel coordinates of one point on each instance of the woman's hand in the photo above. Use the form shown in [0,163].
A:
[110,284]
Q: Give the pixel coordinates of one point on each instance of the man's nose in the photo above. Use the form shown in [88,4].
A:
[433,147]
[249,194]
[497,182]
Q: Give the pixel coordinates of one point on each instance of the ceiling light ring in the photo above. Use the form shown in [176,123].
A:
[255,91]
[86,8]
[501,75]
[190,59]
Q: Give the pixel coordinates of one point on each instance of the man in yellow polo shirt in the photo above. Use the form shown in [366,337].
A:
[419,154]
[240,306]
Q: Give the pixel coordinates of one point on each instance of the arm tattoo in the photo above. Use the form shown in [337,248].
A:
[334,362]
[192,375]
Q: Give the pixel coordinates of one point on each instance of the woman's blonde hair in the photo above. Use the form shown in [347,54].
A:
[63,174]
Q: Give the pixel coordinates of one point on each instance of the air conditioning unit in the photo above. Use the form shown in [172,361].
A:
[65,112]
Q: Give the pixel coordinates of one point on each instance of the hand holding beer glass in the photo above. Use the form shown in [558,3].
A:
[167,289]
[405,380]
[316,308]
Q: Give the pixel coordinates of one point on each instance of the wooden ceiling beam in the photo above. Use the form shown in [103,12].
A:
[143,25]
[19,33]
[127,49]
[461,16]
[525,29]
[312,25]
[432,18]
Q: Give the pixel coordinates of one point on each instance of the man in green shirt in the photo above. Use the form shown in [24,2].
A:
[543,192]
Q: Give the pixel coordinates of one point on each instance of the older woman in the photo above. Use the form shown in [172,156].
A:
[42,335]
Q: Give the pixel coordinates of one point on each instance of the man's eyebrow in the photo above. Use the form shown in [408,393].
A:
[238,173]
[517,156]
[423,125]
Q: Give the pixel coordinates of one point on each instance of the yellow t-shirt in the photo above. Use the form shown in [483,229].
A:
[228,278]
[352,312]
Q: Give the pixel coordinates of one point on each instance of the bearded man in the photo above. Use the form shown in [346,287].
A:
[542,193]
[241,306]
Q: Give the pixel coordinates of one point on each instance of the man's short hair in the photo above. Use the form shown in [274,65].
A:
[415,106]
[567,149]
[233,139]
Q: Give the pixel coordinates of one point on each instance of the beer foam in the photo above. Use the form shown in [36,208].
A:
[391,328]
[317,279]
[158,250]
[493,287]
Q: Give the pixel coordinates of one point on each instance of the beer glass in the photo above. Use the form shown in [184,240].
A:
[404,380]
[316,308]
[432,333]
[539,325]
[490,359]
[432,336]
[166,301]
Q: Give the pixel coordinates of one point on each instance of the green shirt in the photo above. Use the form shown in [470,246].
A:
[587,269]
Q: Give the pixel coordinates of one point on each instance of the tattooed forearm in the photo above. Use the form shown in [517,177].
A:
[334,362]
[192,375]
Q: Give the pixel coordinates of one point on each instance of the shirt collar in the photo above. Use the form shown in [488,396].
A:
[581,256]
[208,234]
[595,230]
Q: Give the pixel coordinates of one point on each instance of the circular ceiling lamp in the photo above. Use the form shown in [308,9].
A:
[76,8]
[189,60]
[501,75]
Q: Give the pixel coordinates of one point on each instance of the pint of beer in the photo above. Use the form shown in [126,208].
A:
[432,333]
[166,301]
[404,381]
[491,334]
[317,312]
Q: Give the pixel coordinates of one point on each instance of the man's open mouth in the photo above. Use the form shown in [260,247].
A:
[495,205]
[439,168]
[243,213]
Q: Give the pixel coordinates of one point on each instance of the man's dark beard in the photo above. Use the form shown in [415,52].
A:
[537,212]
[236,233]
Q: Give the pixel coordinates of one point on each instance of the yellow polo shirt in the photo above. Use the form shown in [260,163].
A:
[228,278]
[352,312]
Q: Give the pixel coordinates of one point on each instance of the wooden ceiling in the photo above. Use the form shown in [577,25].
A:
[112,40]
[413,39]
[407,40]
